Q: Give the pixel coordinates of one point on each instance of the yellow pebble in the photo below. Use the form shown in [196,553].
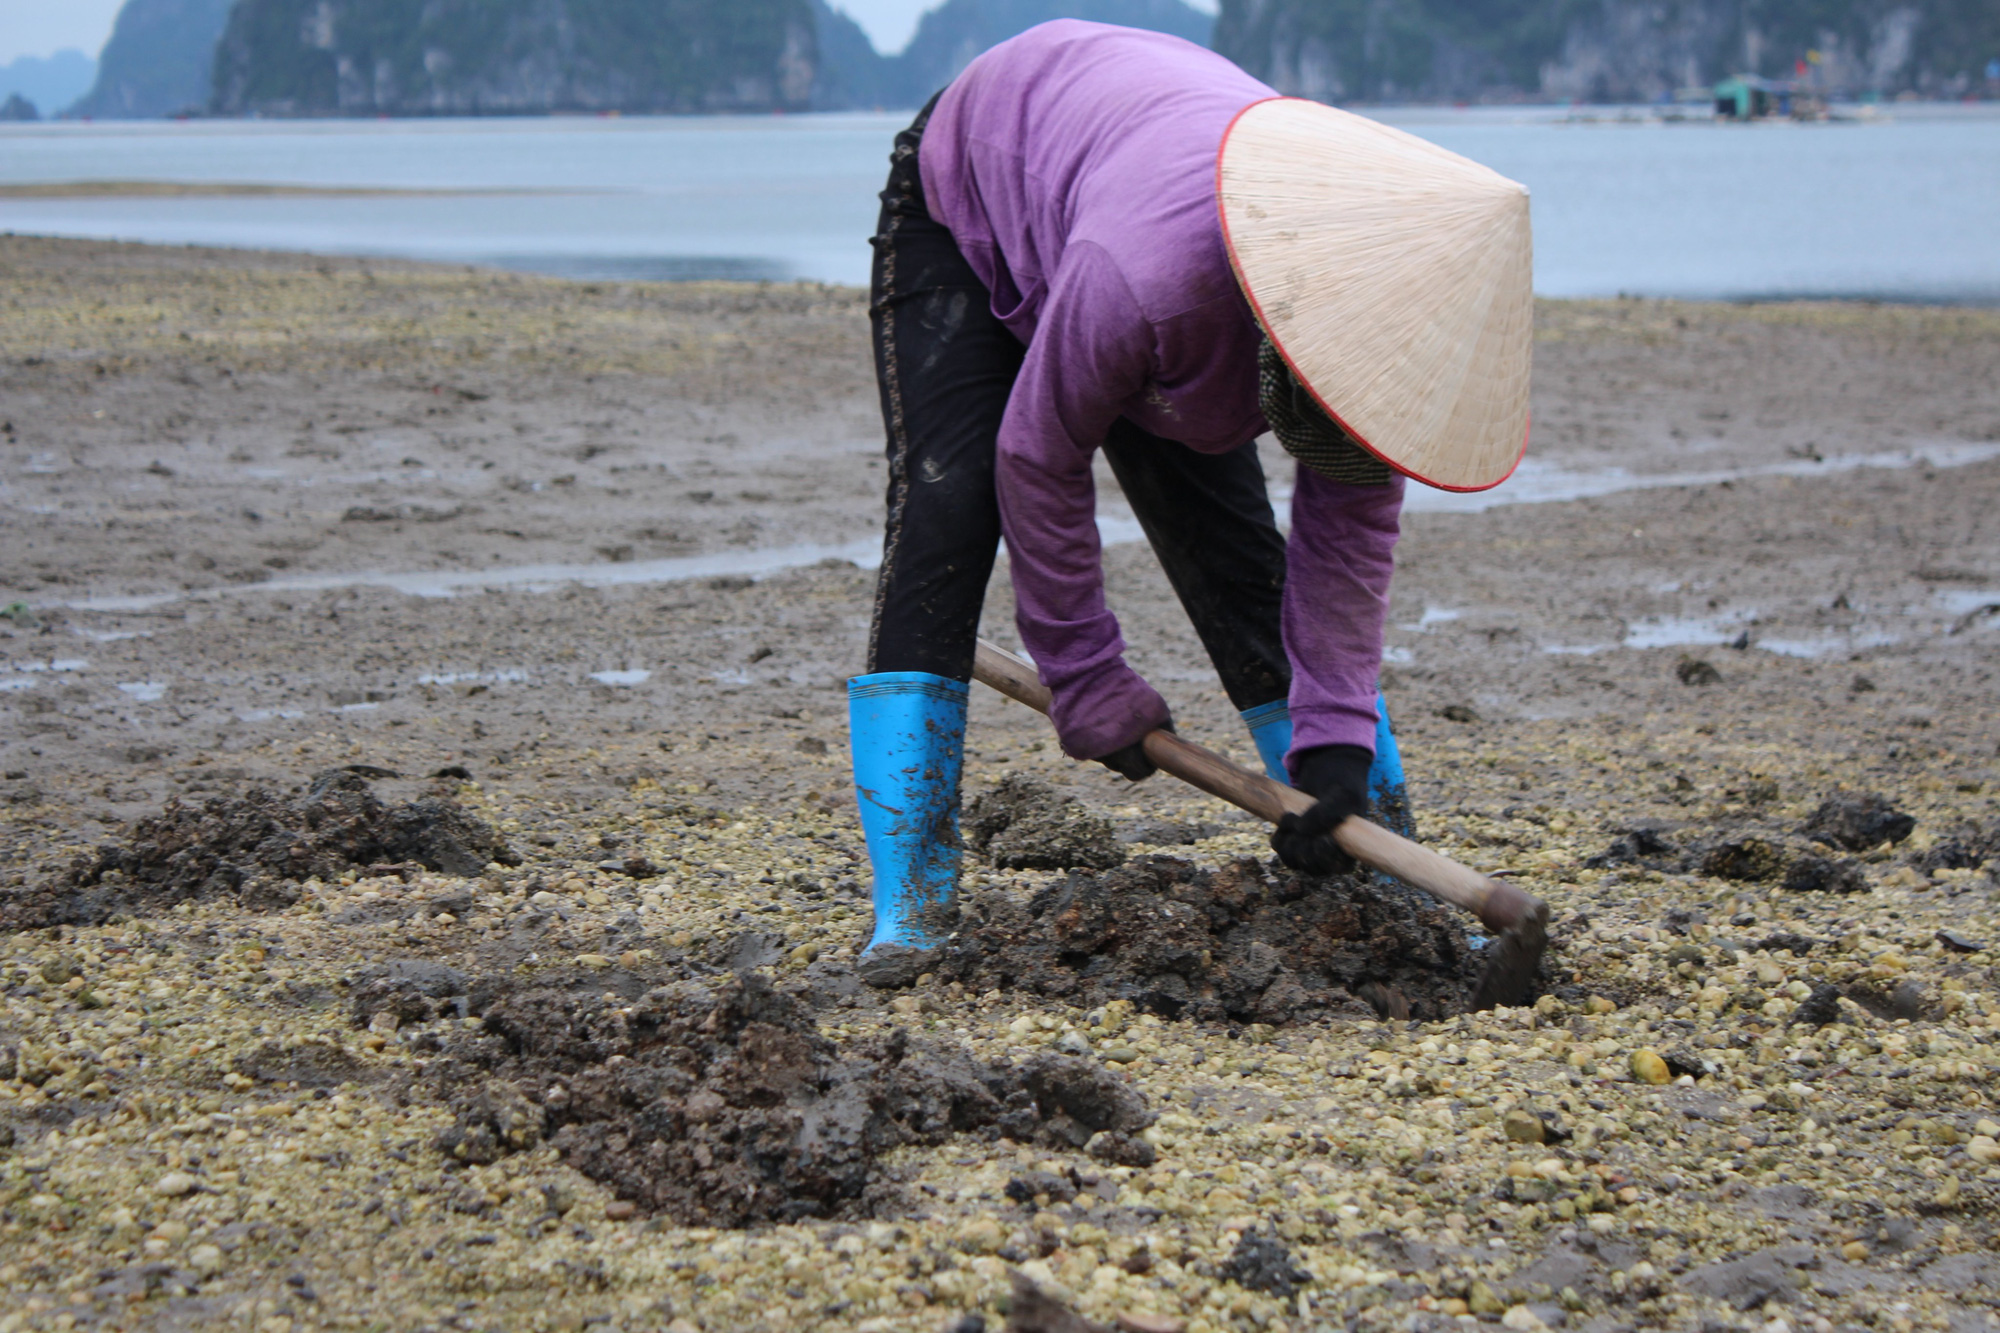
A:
[1648,1067]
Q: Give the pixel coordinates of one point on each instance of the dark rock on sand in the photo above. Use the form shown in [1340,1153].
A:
[1819,1008]
[1907,1000]
[1025,824]
[1241,943]
[256,848]
[1856,821]
[1262,1263]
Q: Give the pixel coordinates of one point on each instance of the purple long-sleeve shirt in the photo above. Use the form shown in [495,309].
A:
[1075,166]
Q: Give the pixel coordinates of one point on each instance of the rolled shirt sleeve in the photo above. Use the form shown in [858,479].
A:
[1338,562]
[1092,351]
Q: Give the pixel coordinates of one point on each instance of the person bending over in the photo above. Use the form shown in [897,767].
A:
[1102,238]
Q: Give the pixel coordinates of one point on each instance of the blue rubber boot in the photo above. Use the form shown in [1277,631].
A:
[1271,728]
[906,730]
[1387,790]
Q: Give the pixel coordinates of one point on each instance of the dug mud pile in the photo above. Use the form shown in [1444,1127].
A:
[1241,943]
[722,1105]
[257,848]
[1025,824]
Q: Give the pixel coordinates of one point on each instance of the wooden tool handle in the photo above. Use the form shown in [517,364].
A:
[1498,905]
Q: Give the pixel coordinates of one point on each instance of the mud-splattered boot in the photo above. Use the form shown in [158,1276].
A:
[1387,791]
[1271,728]
[906,731]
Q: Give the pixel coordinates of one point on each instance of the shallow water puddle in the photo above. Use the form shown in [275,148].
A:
[1687,632]
[529,578]
[504,676]
[1533,483]
[1536,482]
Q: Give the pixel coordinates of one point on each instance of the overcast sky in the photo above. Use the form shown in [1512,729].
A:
[44,27]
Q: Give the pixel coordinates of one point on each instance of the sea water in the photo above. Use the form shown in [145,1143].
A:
[1899,205]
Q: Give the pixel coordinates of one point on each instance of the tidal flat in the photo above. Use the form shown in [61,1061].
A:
[405,1079]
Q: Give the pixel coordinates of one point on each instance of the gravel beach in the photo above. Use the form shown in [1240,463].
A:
[430,881]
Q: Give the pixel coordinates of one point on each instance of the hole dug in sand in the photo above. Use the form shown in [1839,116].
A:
[720,1104]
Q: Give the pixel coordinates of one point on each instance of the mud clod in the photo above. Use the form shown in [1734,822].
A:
[1857,821]
[1744,859]
[1820,1008]
[1262,1263]
[308,1066]
[1817,874]
[1635,845]
[1025,824]
[1081,1104]
[256,848]
[1967,849]
[414,990]
[1696,671]
[724,1106]
[1240,943]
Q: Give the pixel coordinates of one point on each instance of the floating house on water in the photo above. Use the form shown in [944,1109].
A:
[1749,97]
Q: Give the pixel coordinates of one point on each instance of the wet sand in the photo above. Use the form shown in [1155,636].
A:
[204,450]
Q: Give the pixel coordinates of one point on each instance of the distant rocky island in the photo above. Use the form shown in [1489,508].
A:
[158,62]
[1605,50]
[534,57]
[949,36]
[482,58]
[452,57]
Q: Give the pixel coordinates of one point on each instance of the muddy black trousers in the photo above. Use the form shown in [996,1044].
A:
[945,367]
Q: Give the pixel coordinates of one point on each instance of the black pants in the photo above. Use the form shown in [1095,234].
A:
[946,367]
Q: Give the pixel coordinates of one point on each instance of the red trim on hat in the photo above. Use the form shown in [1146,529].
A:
[1229,244]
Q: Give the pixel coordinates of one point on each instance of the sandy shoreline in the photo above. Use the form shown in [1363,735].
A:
[222,440]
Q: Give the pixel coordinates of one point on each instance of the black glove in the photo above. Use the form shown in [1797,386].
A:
[1337,775]
[1130,761]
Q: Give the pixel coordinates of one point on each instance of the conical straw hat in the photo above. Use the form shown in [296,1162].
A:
[1394,278]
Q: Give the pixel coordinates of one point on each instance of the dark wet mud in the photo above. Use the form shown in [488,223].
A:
[256,848]
[1243,943]
[721,1104]
[1026,824]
